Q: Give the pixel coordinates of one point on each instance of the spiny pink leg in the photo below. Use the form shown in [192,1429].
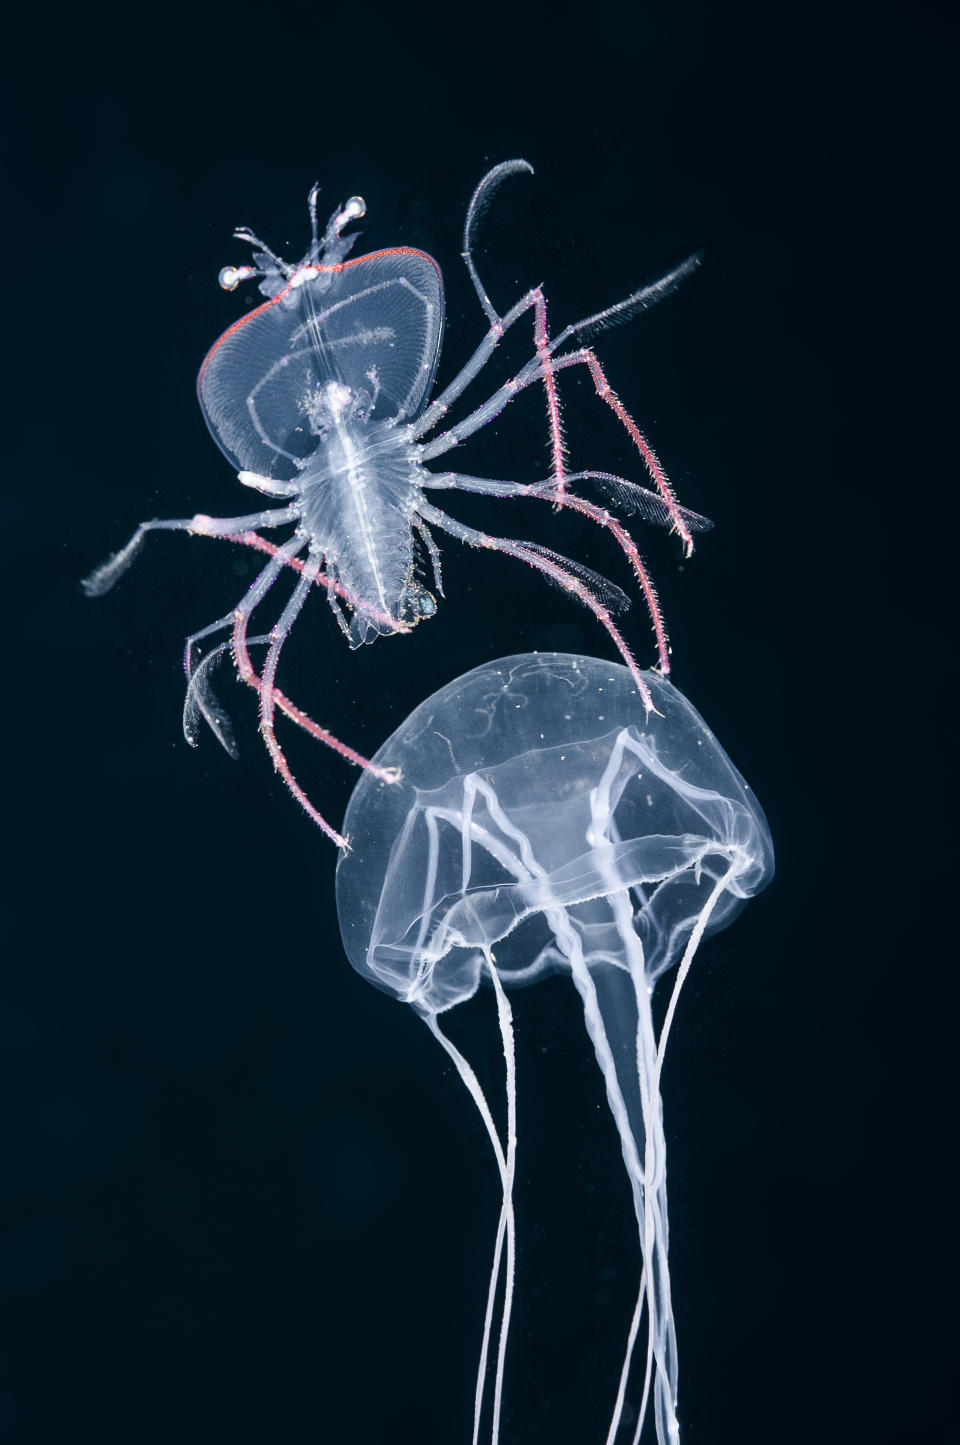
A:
[278,636]
[246,671]
[550,568]
[499,325]
[270,695]
[319,576]
[310,571]
[322,734]
[546,492]
[542,342]
[626,542]
[280,556]
[303,720]
[586,356]
[296,714]
[532,372]
[629,548]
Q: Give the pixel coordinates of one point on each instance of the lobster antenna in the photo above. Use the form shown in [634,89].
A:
[479,202]
[244,233]
[314,233]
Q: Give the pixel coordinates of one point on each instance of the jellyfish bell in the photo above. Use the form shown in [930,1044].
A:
[547,822]
[538,730]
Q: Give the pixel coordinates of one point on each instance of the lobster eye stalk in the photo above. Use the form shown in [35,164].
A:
[352,211]
[231,276]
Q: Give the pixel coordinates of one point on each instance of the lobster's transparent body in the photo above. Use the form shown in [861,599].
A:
[546,822]
[320,398]
[314,390]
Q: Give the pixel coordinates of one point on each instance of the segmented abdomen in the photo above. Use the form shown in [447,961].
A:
[360,516]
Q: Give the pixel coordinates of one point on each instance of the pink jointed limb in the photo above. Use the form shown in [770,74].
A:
[534,371]
[319,576]
[250,676]
[629,548]
[555,571]
[547,492]
[542,343]
[247,673]
[585,356]
[327,384]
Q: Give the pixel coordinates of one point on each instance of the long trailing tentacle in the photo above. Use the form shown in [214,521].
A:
[506,1226]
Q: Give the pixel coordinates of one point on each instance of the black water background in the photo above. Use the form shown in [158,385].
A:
[245,1198]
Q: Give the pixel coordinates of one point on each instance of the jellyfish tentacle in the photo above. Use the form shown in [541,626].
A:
[630,838]
[650,1182]
[506,1223]
[625,1368]
[505,1018]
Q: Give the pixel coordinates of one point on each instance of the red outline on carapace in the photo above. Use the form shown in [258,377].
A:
[340,266]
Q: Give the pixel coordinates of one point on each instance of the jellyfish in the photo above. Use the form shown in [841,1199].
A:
[547,822]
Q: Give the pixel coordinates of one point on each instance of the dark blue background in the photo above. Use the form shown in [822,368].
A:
[247,1199]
